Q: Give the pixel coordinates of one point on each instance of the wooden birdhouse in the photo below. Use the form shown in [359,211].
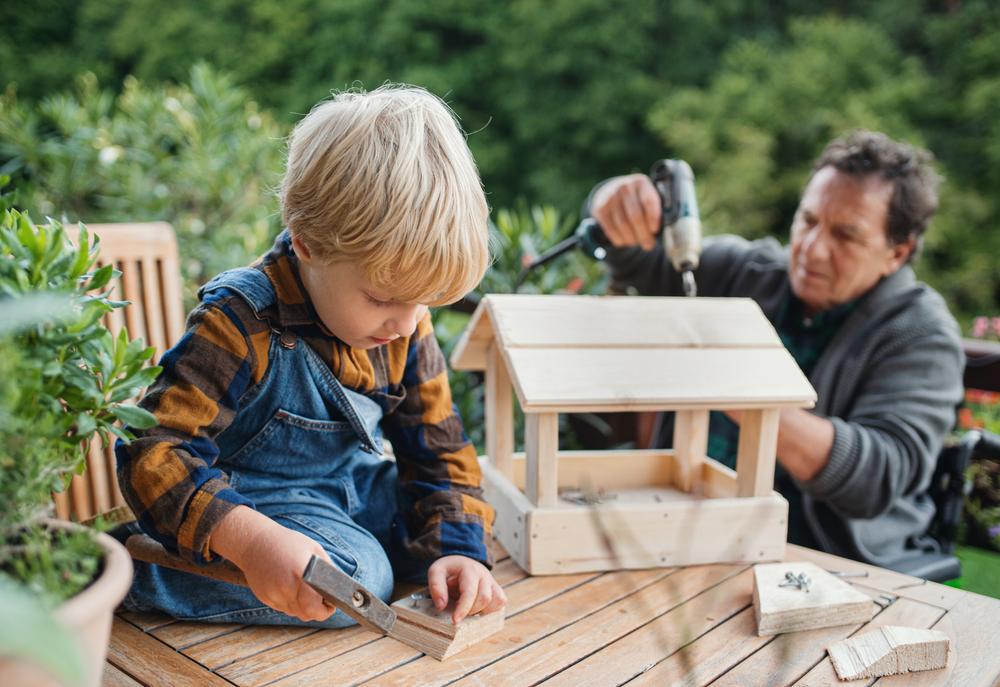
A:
[573,511]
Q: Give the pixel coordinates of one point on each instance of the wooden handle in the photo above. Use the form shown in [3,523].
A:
[144,548]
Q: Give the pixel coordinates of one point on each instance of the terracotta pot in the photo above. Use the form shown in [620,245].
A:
[87,616]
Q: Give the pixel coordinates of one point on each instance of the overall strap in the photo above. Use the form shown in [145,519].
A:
[251,284]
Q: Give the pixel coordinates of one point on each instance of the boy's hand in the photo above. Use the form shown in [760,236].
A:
[468,581]
[272,558]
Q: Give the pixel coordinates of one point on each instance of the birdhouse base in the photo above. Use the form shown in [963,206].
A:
[622,510]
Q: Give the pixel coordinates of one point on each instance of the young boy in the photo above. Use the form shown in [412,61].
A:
[273,405]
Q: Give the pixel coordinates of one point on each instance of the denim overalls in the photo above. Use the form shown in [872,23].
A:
[307,452]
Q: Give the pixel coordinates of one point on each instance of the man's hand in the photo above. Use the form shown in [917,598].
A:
[272,558]
[467,580]
[629,209]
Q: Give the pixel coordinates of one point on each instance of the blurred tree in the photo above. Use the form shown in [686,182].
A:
[201,156]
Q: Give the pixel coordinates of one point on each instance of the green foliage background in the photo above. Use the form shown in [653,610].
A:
[556,96]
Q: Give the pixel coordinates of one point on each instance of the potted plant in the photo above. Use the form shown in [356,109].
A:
[63,380]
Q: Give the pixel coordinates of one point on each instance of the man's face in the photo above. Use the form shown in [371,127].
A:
[353,310]
[840,246]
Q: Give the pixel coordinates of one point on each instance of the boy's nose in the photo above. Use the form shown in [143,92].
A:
[406,322]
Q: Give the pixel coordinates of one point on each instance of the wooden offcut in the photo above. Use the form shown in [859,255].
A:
[782,607]
[420,625]
[889,650]
[565,512]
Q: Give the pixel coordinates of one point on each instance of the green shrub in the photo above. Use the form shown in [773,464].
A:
[200,155]
[63,380]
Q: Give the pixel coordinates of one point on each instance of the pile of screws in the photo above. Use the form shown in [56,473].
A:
[799,581]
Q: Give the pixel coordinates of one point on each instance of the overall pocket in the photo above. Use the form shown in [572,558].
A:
[291,448]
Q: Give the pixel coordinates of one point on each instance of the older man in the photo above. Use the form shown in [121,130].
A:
[880,348]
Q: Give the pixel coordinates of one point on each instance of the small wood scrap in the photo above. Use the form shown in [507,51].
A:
[420,625]
[889,650]
[788,597]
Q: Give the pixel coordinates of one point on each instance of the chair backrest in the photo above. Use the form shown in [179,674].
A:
[146,255]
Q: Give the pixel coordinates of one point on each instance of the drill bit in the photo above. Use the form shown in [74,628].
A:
[690,287]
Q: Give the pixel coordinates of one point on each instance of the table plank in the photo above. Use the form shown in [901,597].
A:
[246,643]
[889,581]
[722,612]
[185,633]
[974,658]
[903,611]
[521,629]
[386,654]
[113,677]
[793,654]
[152,663]
[650,620]
[146,621]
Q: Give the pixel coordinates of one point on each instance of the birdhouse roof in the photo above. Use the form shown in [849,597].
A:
[608,353]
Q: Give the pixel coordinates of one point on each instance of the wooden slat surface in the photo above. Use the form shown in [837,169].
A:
[612,380]
[664,626]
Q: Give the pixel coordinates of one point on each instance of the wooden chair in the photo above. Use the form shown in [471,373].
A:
[146,254]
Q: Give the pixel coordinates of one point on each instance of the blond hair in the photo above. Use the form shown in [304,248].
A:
[386,180]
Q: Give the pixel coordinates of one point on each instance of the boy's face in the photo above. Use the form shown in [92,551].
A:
[350,307]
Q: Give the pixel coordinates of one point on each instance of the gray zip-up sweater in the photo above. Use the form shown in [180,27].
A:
[889,382]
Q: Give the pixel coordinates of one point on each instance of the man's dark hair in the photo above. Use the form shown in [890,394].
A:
[915,183]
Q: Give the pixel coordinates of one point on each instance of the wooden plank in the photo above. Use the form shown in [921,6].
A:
[512,508]
[470,352]
[113,677]
[185,633]
[828,601]
[883,579]
[153,663]
[153,305]
[690,447]
[146,621]
[649,620]
[974,660]
[708,656]
[243,644]
[789,656]
[628,322]
[612,379]
[378,657]
[523,629]
[900,612]
[261,666]
[609,470]
[619,534]
[422,626]
[499,402]
[889,650]
[541,445]
[756,452]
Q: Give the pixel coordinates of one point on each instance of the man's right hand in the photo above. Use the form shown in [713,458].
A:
[272,558]
[629,209]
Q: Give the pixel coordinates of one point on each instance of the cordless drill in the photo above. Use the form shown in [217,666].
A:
[680,226]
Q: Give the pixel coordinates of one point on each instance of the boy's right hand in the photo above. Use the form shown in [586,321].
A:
[272,558]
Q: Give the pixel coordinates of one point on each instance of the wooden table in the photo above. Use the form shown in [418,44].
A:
[665,626]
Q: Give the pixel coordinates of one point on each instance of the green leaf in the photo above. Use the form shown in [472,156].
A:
[100,278]
[134,416]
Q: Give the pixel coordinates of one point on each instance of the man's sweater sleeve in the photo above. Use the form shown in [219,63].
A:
[442,504]
[888,444]
[166,474]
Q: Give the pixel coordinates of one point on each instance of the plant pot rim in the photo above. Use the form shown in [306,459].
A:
[108,588]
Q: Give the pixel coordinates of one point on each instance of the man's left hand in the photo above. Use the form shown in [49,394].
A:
[468,581]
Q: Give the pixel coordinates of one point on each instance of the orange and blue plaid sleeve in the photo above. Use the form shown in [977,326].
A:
[440,481]
[166,474]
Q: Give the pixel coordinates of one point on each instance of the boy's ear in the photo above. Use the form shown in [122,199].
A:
[301,250]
